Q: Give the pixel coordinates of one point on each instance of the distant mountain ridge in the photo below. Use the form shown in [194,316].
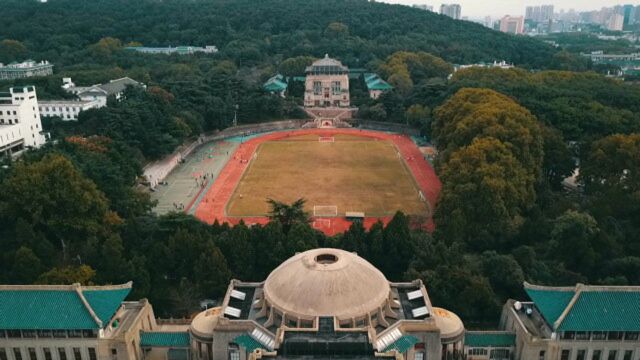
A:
[254,29]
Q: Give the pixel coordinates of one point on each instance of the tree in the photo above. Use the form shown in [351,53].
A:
[12,50]
[573,240]
[26,266]
[473,113]
[82,274]
[485,189]
[337,30]
[288,215]
[295,66]
[53,197]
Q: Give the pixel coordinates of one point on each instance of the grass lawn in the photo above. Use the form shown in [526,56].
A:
[352,173]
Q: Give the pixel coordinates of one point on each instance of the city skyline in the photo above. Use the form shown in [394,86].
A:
[499,8]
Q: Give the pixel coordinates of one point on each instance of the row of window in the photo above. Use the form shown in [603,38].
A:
[495,354]
[595,355]
[68,109]
[8,112]
[41,334]
[600,335]
[8,121]
[60,353]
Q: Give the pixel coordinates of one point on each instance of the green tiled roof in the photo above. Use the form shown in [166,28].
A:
[374,82]
[604,310]
[105,303]
[165,339]
[58,307]
[551,302]
[489,339]
[248,343]
[404,343]
[275,84]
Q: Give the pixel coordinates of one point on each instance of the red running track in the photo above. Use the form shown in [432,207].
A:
[213,204]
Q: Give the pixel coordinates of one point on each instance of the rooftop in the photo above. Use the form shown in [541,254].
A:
[327,65]
[326,282]
[588,308]
[489,339]
[59,307]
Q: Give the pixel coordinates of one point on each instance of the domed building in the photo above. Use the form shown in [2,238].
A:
[326,302]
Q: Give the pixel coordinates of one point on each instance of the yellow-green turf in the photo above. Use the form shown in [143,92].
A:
[352,173]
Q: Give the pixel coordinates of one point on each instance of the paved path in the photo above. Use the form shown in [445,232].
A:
[187,182]
[212,201]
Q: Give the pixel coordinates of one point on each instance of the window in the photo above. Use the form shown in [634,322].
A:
[498,354]
[582,335]
[478,351]
[541,355]
[631,335]
[17,354]
[419,355]
[47,354]
[75,333]
[582,354]
[234,352]
[44,333]
[3,354]
[615,335]
[628,355]
[89,334]
[62,353]
[32,354]
[597,354]
[76,354]
[92,354]
[317,87]
[59,333]
[336,88]
[613,354]
[13,333]
[598,335]
[564,355]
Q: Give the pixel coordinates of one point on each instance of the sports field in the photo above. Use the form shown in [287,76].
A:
[351,173]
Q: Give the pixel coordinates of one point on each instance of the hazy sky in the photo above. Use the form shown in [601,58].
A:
[481,8]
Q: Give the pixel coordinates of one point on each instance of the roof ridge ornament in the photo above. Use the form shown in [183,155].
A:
[78,288]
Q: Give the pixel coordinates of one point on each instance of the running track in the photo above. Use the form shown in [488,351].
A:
[212,206]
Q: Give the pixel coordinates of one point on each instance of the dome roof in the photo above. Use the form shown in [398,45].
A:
[449,323]
[327,65]
[326,282]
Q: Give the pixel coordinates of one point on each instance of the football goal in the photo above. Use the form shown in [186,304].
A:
[326,139]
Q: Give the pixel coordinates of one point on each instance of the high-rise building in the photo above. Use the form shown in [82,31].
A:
[628,12]
[539,13]
[616,22]
[451,10]
[20,125]
[512,24]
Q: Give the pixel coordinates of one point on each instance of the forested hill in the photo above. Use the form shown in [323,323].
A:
[356,31]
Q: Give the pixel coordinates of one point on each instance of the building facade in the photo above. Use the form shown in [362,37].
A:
[319,304]
[326,84]
[67,110]
[575,323]
[97,94]
[25,69]
[20,125]
[180,50]
[512,24]
[71,322]
[326,303]
[453,11]
[542,13]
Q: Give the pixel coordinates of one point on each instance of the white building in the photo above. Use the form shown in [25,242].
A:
[100,92]
[423,7]
[25,69]
[616,22]
[451,10]
[20,126]
[67,109]
[180,50]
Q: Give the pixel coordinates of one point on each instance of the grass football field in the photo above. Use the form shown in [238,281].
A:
[352,173]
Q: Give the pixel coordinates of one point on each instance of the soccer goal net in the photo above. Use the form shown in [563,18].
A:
[326,139]
[325,210]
